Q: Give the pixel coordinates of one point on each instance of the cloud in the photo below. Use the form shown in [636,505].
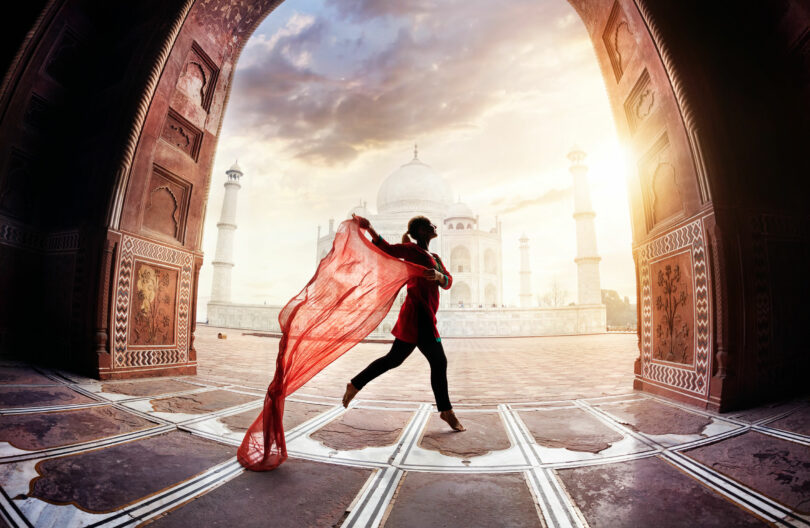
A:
[551,196]
[431,76]
[364,10]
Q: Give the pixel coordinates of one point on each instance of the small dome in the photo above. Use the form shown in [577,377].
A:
[236,168]
[414,184]
[460,210]
[359,210]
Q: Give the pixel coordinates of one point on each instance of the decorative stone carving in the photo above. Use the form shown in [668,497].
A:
[167,204]
[676,356]
[154,301]
[121,176]
[179,133]
[673,310]
[619,40]
[640,104]
[684,105]
[660,193]
[198,77]
[136,254]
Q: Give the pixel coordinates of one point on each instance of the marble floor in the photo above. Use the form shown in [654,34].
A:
[555,437]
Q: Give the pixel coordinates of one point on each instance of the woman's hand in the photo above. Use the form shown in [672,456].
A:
[362,222]
[433,275]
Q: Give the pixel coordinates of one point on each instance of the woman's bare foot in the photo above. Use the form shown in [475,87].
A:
[351,392]
[452,421]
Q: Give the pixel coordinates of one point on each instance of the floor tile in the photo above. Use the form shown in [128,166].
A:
[23,376]
[148,388]
[359,428]
[37,431]
[482,500]
[40,396]
[107,479]
[573,429]
[202,402]
[796,422]
[776,468]
[298,494]
[649,492]
[485,433]
[655,418]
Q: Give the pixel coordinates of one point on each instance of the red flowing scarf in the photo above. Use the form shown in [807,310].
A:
[352,291]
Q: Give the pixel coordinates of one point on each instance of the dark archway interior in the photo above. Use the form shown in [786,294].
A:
[80,81]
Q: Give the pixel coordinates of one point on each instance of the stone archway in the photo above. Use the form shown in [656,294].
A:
[460,260]
[461,295]
[490,296]
[149,120]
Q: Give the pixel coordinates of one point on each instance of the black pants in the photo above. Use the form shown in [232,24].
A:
[432,350]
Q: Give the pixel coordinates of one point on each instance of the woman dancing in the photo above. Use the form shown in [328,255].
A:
[416,325]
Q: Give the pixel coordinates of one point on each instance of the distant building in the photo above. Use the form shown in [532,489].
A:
[474,304]
[472,255]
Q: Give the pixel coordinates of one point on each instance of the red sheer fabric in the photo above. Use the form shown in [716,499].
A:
[352,291]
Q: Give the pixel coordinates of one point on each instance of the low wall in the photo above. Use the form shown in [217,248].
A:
[461,322]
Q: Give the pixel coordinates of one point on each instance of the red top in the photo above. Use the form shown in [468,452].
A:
[423,294]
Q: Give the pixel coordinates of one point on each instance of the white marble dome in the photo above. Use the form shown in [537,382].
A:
[460,210]
[414,185]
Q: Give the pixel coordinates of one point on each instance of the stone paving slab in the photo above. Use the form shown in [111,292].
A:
[23,376]
[359,428]
[762,412]
[777,468]
[11,397]
[483,500]
[649,492]
[148,388]
[295,413]
[202,402]
[107,479]
[37,431]
[655,418]
[485,433]
[796,422]
[573,429]
[299,494]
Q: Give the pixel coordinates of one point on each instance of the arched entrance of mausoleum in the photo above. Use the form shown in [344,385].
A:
[110,119]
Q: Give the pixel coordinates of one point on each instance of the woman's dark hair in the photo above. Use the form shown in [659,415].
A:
[413,227]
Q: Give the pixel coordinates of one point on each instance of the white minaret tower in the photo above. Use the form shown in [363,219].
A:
[525,274]
[588,284]
[223,258]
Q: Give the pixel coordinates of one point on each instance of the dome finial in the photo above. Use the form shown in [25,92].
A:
[235,172]
[415,151]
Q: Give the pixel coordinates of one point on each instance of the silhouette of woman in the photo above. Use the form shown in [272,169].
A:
[416,325]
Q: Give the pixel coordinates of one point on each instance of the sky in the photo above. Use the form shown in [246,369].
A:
[329,97]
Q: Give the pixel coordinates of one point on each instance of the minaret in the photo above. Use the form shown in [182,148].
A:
[223,258]
[525,274]
[588,286]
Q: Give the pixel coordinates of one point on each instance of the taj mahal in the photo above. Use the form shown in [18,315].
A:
[474,305]
[472,254]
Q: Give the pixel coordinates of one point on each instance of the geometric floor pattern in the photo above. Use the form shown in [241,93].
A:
[161,452]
